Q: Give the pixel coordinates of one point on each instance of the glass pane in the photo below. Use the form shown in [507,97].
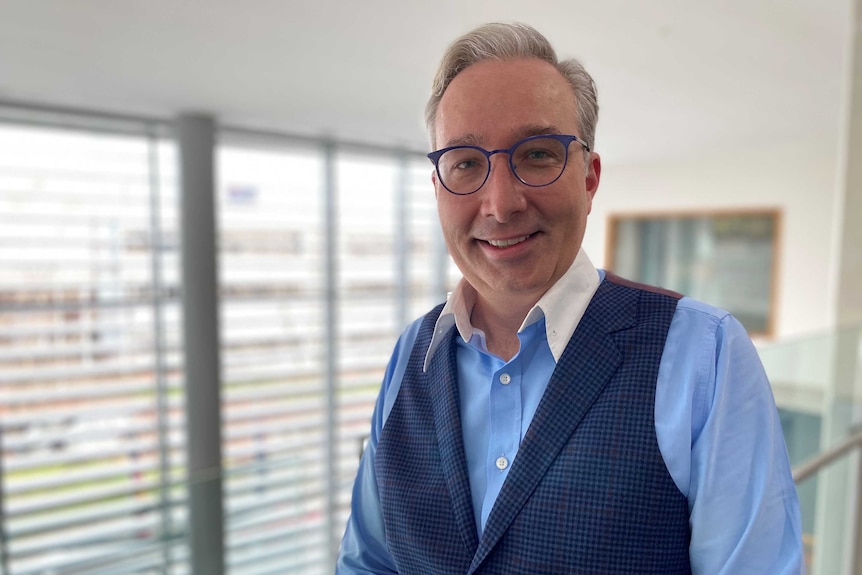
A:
[369,192]
[705,256]
[813,379]
[428,262]
[270,262]
[90,351]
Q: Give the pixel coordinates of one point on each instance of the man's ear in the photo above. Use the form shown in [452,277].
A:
[434,181]
[594,174]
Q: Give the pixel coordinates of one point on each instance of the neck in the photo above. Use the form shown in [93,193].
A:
[500,322]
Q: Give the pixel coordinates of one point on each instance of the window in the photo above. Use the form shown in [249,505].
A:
[726,258]
[292,438]
[92,437]
[273,349]
[90,354]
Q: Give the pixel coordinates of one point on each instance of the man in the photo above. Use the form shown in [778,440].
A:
[553,418]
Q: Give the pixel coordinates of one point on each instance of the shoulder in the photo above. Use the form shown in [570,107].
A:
[614,279]
[688,309]
[701,337]
[696,327]
[714,329]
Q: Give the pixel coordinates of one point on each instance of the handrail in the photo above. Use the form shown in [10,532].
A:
[813,465]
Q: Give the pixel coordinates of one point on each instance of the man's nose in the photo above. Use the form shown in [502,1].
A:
[503,195]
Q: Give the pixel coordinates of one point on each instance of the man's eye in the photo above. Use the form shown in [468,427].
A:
[466,165]
[538,154]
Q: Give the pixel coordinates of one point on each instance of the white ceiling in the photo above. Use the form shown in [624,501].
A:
[674,76]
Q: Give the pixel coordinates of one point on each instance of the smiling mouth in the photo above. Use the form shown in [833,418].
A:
[507,243]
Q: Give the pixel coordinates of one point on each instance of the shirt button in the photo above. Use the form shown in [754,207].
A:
[502,463]
[505,379]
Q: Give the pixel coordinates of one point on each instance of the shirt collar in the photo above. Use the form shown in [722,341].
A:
[562,306]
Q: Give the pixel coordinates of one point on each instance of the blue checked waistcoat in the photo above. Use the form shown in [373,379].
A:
[588,491]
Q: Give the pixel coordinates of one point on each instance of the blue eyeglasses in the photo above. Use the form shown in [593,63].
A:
[536,161]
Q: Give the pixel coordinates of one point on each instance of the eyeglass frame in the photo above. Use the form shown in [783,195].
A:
[564,139]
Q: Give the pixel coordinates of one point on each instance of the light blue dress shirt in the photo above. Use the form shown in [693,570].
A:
[716,422]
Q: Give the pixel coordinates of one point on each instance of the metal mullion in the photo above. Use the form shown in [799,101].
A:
[330,219]
[156,245]
[62,117]
[201,329]
[263,138]
[94,121]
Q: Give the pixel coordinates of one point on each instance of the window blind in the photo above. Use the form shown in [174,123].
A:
[90,370]
[92,448]
[270,262]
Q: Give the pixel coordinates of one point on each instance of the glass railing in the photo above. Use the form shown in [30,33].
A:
[817,382]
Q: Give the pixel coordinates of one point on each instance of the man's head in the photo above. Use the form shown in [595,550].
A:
[508,42]
[512,236]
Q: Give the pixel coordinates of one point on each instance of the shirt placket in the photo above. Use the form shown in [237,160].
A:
[505,426]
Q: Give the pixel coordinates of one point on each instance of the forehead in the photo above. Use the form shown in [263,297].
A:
[493,102]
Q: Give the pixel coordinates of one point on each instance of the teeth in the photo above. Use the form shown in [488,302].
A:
[506,243]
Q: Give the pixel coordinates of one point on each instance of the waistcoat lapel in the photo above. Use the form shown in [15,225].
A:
[587,364]
[447,421]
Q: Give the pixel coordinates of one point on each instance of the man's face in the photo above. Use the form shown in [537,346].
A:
[493,104]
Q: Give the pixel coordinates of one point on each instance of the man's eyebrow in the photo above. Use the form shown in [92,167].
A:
[476,139]
[536,130]
[471,139]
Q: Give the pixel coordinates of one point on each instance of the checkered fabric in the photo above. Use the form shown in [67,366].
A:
[588,491]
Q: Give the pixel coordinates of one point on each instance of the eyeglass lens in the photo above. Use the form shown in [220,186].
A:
[536,162]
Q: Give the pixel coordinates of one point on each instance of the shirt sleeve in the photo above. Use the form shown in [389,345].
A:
[363,548]
[744,511]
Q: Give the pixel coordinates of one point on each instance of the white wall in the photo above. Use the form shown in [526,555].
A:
[799,177]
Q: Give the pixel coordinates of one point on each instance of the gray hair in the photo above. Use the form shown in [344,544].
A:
[505,42]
